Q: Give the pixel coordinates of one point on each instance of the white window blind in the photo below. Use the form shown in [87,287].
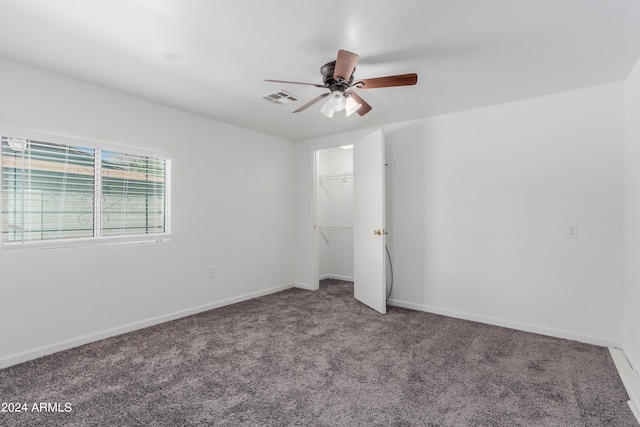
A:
[57,195]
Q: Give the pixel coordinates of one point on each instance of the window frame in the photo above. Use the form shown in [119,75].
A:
[97,194]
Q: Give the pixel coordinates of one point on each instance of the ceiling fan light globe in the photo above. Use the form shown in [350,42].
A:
[337,101]
[351,106]
[326,109]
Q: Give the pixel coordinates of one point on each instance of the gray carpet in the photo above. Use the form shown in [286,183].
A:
[301,358]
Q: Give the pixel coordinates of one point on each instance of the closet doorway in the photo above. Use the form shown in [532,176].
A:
[350,233]
[334,213]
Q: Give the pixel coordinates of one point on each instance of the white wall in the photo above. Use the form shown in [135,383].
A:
[322,213]
[232,192]
[632,220]
[480,202]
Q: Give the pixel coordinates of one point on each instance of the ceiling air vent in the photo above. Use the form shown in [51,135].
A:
[281,97]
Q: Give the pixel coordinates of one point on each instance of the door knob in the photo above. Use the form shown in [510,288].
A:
[377,232]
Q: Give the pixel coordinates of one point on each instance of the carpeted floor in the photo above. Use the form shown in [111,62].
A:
[301,358]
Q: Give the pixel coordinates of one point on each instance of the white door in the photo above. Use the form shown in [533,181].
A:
[369,276]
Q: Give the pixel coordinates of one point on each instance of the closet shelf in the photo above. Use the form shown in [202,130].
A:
[336,176]
[324,236]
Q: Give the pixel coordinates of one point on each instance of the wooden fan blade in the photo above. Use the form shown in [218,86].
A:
[295,83]
[345,64]
[313,101]
[364,107]
[388,81]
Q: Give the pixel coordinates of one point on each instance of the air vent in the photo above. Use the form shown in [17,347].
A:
[281,97]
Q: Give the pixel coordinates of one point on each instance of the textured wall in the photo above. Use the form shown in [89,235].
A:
[632,221]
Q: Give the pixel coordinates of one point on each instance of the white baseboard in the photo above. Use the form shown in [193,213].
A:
[630,379]
[14,359]
[306,286]
[559,333]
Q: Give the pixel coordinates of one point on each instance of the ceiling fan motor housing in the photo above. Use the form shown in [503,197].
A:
[327,71]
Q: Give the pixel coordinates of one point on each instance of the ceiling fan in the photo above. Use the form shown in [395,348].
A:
[338,77]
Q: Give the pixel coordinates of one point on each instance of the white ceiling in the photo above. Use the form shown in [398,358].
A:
[210,57]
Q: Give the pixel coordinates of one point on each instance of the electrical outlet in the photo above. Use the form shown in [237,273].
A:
[212,271]
[572,231]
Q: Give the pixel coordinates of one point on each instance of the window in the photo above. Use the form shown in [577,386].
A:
[63,194]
